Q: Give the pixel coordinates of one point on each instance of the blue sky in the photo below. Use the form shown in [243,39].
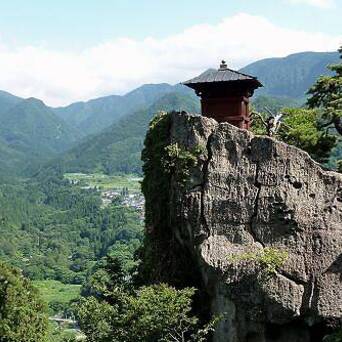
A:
[62,51]
[73,24]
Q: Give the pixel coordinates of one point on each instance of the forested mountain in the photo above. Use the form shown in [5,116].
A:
[93,116]
[274,103]
[118,148]
[7,101]
[31,133]
[288,77]
[293,75]
[32,124]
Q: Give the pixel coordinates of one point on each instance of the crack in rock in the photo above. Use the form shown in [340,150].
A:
[255,207]
[203,219]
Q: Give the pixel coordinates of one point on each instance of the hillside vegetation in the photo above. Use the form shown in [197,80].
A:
[53,229]
[71,211]
[30,133]
[293,75]
[106,134]
[118,148]
[95,115]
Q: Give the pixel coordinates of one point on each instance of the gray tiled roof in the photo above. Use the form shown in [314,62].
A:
[223,74]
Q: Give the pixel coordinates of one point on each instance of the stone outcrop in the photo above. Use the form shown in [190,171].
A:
[247,193]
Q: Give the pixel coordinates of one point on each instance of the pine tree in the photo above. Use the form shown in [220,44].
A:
[326,94]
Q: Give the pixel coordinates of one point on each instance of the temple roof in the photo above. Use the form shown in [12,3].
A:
[223,74]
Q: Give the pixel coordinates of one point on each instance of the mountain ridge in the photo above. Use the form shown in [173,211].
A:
[32,133]
[286,79]
[117,148]
[298,71]
[92,116]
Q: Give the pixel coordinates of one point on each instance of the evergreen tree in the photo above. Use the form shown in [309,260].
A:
[326,94]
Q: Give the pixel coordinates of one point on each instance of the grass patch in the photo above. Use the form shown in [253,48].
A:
[56,294]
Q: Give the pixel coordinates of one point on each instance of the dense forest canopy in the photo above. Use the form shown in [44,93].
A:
[52,229]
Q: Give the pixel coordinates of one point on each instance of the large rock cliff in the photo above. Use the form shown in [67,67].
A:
[232,197]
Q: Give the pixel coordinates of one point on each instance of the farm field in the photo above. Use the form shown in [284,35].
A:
[105,182]
[56,294]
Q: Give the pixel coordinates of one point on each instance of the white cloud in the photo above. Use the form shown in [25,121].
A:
[316,3]
[120,65]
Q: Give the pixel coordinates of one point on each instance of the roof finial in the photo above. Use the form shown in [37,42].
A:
[223,65]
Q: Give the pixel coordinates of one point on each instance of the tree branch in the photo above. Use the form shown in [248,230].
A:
[260,117]
[269,111]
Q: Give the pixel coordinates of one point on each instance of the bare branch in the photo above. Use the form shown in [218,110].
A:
[260,117]
[269,111]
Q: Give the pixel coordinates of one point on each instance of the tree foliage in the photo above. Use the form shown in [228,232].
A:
[22,313]
[326,94]
[274,104]
[302,128]
[339,166]
[117,311]
[52,229]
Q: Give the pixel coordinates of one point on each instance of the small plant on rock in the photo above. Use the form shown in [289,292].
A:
[270,259]
[179,161]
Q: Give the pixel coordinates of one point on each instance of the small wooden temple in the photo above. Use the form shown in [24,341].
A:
[225,94]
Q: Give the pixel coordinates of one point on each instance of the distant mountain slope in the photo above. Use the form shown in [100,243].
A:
[274,103]
[10,159]
[293,75]
[96,111]
[93,116]
[30,132]
[118,148]
[7,101]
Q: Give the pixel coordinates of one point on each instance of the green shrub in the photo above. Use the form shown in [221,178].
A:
[116,311]
[270,259]
[302,128]
[179,161]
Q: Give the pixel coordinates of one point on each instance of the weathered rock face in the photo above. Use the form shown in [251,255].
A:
[247,193]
